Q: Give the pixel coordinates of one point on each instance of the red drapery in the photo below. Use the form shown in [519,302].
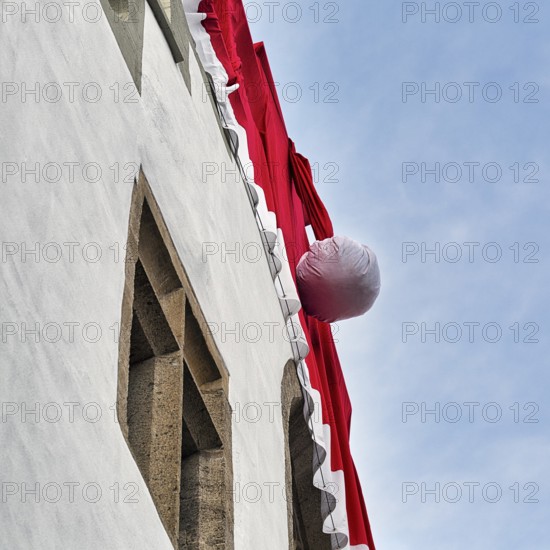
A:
[285,176]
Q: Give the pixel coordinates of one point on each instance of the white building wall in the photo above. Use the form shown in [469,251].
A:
[171,133]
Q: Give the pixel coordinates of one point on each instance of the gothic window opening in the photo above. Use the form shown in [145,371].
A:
[171,398]
[304,508]
[127,20]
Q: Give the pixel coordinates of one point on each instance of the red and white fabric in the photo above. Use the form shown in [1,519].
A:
[285,201]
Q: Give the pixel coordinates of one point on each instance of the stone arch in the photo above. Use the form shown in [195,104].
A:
[172,388]
[304,508]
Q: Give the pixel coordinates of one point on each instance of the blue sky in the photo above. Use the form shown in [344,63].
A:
[360,63]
